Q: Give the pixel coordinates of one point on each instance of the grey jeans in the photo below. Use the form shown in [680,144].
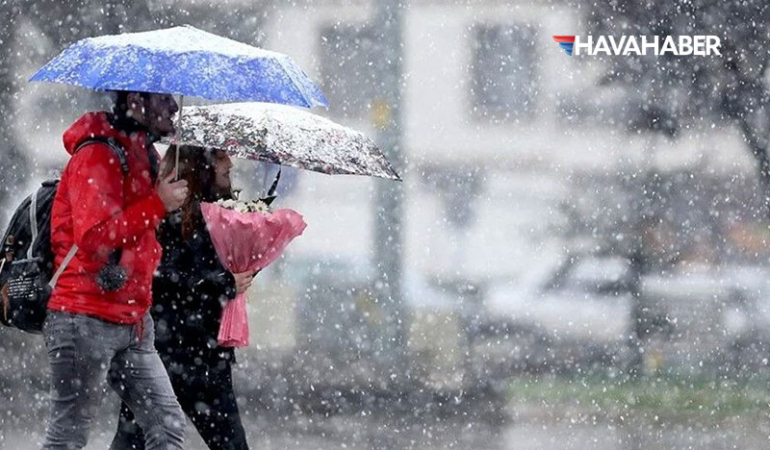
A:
[82,352]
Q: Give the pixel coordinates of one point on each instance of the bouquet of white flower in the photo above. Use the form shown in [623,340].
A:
[245,206]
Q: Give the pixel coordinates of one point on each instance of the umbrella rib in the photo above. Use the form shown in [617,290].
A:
[300,86]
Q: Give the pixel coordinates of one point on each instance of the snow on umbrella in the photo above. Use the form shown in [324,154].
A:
[284,135]
[183,61]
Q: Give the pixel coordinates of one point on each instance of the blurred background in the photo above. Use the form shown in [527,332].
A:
[577,257]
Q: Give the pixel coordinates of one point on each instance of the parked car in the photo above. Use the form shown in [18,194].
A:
[716,319]
[580,310]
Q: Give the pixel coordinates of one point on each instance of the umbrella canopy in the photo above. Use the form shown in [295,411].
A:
[284,135]
[184,61]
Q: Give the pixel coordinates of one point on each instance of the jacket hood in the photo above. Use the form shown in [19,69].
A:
[103,125]
[90,125]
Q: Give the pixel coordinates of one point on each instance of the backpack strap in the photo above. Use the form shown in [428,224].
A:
[62,266]
[32,222]
[114,147]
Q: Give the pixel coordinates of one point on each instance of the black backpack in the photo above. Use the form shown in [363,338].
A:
[26,260]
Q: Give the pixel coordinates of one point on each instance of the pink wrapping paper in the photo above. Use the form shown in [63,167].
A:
[247,242]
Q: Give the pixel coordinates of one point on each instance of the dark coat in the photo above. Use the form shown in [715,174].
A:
[189,290]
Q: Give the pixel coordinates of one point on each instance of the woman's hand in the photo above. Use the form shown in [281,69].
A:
[243,281]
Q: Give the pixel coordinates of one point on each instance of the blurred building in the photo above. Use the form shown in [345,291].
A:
[501,131]
[497,120]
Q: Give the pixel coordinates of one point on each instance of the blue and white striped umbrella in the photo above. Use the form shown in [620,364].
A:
[183,61]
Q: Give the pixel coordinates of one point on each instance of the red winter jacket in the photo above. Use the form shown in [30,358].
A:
[100,210]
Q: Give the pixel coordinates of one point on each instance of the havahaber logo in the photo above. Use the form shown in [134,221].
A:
[700,45]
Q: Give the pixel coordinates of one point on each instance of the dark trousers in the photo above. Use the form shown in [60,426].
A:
[205,392]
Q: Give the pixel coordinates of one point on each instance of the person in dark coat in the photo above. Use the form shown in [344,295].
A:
[189,290]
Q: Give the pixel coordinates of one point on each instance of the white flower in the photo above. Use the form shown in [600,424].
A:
[241,207]
[262,207]
[244,206]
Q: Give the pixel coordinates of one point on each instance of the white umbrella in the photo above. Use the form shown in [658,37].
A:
[284,135]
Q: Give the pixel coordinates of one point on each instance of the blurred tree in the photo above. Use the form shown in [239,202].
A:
[657,221]
[667,93]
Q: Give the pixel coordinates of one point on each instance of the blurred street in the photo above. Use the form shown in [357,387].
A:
[532,426]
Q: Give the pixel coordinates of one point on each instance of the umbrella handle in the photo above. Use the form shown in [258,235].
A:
[176,136]
[271,196]
[275,183]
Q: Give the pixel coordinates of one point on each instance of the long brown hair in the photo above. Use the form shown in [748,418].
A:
[196,166]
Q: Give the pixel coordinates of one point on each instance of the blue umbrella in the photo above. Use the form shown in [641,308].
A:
[183,61]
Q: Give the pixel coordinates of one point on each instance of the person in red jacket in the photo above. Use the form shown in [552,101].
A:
[107,218]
